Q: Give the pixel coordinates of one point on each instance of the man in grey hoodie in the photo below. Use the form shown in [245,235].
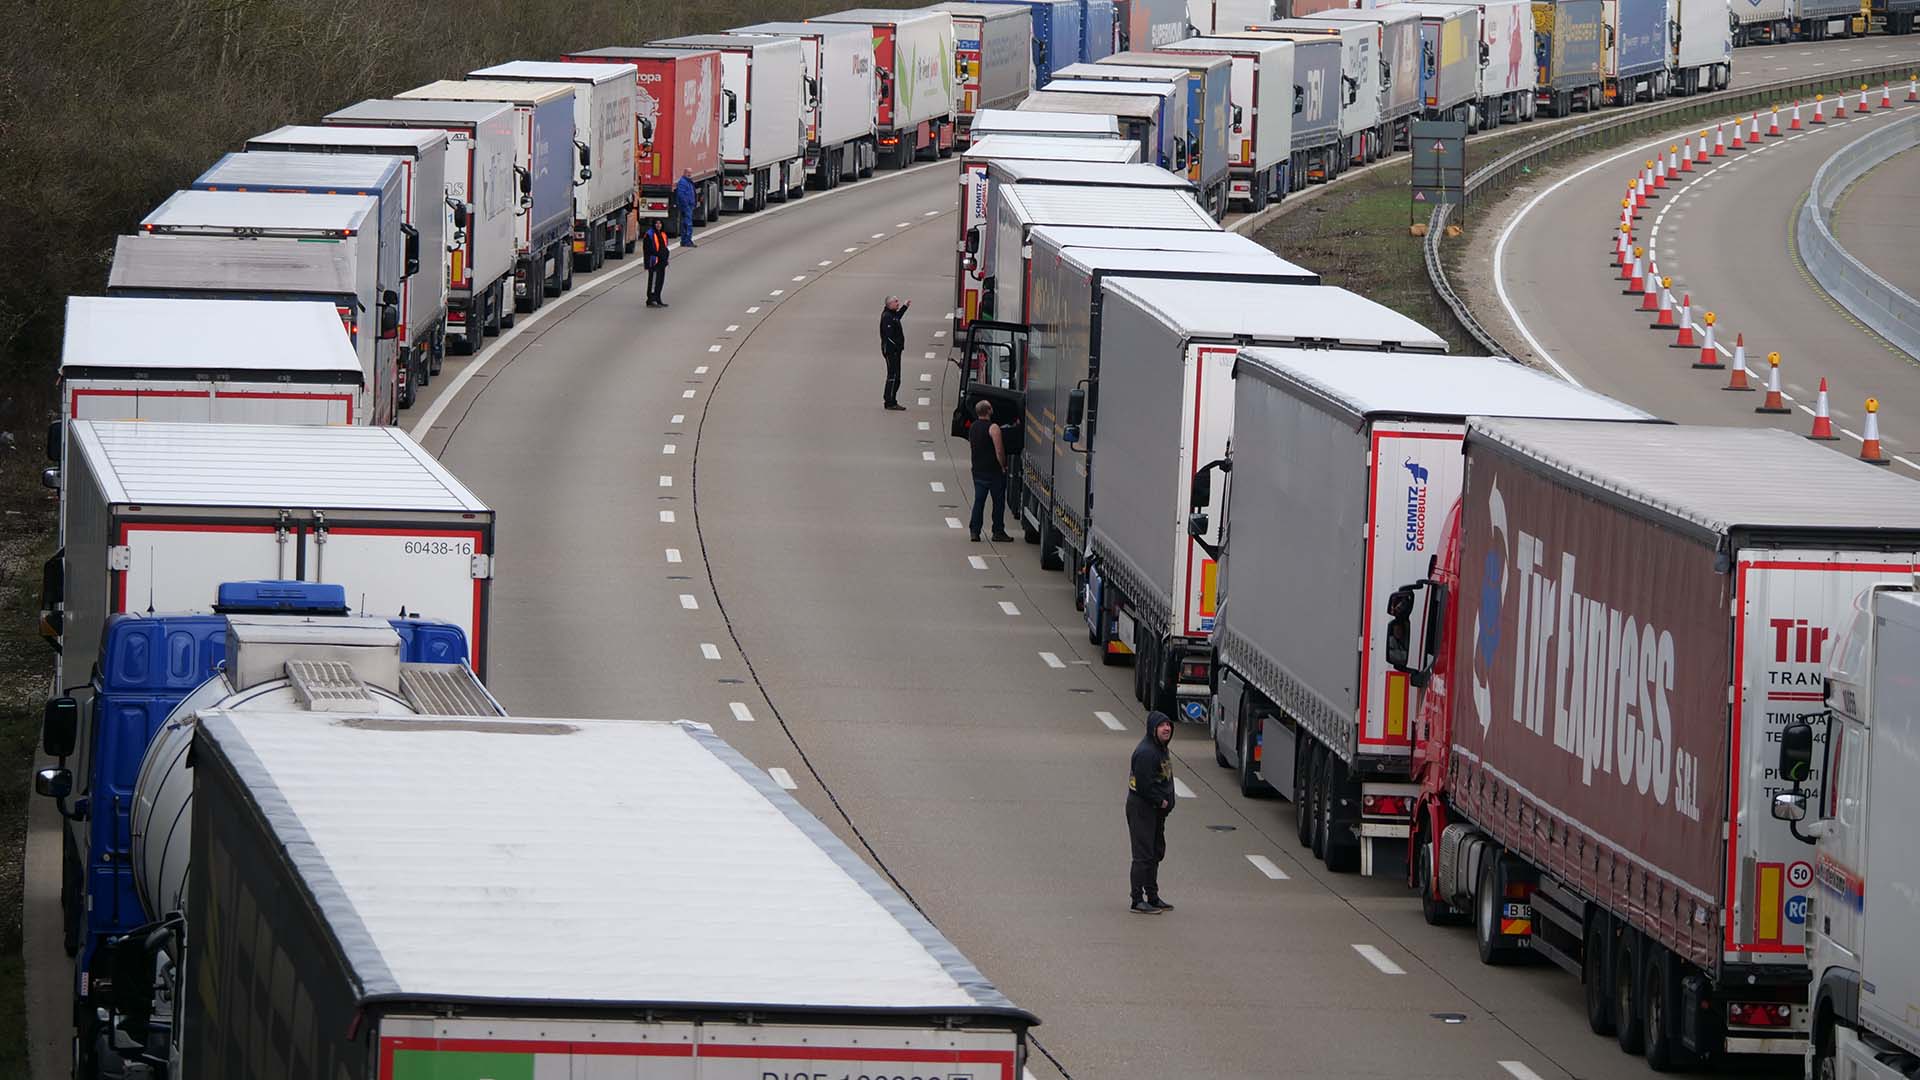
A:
[1149,801]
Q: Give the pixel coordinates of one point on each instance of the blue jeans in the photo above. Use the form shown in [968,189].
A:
[985,487]
[686,223]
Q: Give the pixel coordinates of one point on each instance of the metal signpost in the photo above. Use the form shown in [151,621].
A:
[1439,165]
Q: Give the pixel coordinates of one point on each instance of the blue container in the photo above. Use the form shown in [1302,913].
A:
[1056,37]
[1096,29]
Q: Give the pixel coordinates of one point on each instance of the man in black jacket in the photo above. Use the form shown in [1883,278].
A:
[1149,801]
[654,252]
[893,341]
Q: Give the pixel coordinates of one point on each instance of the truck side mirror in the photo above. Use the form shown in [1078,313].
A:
[586,174]
[413,249]
[973,240]
[586,155]
[1796,753]
[1076,406]
[1238,119]
[1299,98]
[460,212]
[53,783]
[59,726]
[54,431]
[733,106]
[390,318]
[50,478]
[1790,806]
[526,180]
[1198,525]
[1399,627]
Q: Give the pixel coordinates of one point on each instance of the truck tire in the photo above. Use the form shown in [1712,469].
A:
[1435,911]
[1342,847]
[1142,661]
[1660,990]
[1050,541]
[565,264]
[1251,785]
[1162,678]
[1302,788]
[1487,894]
[1317,801]
[1629,1023]
[552,282]
[1594,954]
[403,385]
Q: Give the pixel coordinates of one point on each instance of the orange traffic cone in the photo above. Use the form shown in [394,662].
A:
[1753,136]
[1709,352]
[1863,97]
[1795,124]
[1737,371]
[1886,95]
[1720,141]
[1870,446]
[1659,172]
[1650,292]
[1664,319]
[1685,340]
[1685,160]
[1817,118]
[1839,104]
[1639,188]
[1822,422]
[1635,276]
[1774,402]
[1701,156]
[1773,124]
[1913,87]
[1738,142]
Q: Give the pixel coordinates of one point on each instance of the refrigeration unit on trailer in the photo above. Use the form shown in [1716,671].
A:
[1097,31]
[1033,123]
[1863,946]
[1568,55]
[841,99]
[1371,441]
[1014,212]
[1635,49]
[481,202]
[970,266]
[1209,17]
[1702,46]
[992,67]
[249,245]
[1060,385]
[1261,95]
[545,154]
[423,163]
[1671,628]
[382,178]
[1449,61]
[1153,113]
[1161,399]
[677,121]
[1397,37]
[1363,132]
[763,132]
[1058,37]
[1210,114]
[913,62]
[605,119]
[1140,25]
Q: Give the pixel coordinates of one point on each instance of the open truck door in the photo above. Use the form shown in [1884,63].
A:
[993,367]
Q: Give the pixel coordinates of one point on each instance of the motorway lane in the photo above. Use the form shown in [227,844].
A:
[1723,235]
[1878,220]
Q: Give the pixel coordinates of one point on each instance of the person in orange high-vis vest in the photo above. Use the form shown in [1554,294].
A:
[653,249]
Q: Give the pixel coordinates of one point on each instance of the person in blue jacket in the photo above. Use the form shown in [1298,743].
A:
[683,193]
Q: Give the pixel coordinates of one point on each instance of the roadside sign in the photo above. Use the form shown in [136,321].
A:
[1439,162]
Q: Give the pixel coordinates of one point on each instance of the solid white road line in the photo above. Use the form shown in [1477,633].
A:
[1009,607]
[689,602]
[976,562]
[1379,960]
[1181,790]
[783,778]
[1519,1071]
[666,517]
[740,711]
[1112,721]
[1052,660]
[673,555]
[709,650]
[1267,867]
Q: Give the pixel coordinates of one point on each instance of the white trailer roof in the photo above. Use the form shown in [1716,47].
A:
[1098,236]
[1248,46]
[395,110]
[555,71]
[520,93]
[267,170]
[878,15]
[721,42]
[1030,121]
[1680,472]
[1437,9]
[1255,310]
[1036,148]
[1122,261]
[1100,70]
[1162,60]
[1418,384]
[807,29]
[153,334]
[1152,88]
[402,141]
[233,264]
[985,11]
[1103,173]
[333,468]
[669,872]
[1104,103]
[1139,208]
[264,211]
[1393,13]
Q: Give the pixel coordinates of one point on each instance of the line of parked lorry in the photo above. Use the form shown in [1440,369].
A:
[1525,646]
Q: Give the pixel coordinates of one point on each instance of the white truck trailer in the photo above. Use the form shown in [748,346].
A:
[1031,123]
[1860,921]
[606,222]
[1006,294]
[1398,36]
[842,100]
[1263,99]
[1506,60]
[252,245]
[992,63]
[1701,44]
[423,162]
[1164,408]
[1376,438]
[1363,129]
[913,53]
[763,131]
[380,913]
[480,200]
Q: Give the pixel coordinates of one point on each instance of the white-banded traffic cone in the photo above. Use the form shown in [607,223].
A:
[1737,371]
[1753,136]
[1685,339]
[1870,446]
[1709,352]
[1863,98]
[1886,95]
[1817,118]
[1659,172]
[1701,155]
[1774,402]
[1773,124]
[1685,160]
[1663,315]
[1739,141]
[1794,125]
[1839,104]
[1720,141]
[1913,87]
[1822,420]
[1636,276]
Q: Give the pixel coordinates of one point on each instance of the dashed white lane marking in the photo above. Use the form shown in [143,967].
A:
[923,401]
[740,711]
[799,277]
[709,650]
[930,356]
[666,517]
[1519,1071]
[926,455]
[689,602]
[702,369]
[731,327]
[925,426]
[714,348]
[879,236]
[755,310]
[939,334]
[936,485]
[669,448]
[1379,960]
[903,224]
[686,393]
[678,418]
[848,251]
[1052,660]
[1009,607]
[778,292]
[924,377]
[976,562]
[953,523]
[1181,790]
[824,262]
[1267,867]
[783,778]
[666,481]
[1113,722]
[673,555]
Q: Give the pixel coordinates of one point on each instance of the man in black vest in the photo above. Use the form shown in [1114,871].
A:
[988,445]
[893,341]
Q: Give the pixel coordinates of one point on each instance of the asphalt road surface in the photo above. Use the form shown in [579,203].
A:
[1878,220]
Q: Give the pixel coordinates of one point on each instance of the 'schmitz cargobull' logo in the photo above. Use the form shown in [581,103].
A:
[1416,505]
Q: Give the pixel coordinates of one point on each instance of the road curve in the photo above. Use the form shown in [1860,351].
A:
[1878,220]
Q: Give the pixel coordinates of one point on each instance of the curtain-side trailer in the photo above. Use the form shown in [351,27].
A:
[480,203]
[1319,94]
[1148,24]
[842,97]
[1057,38]
[1503,55]
[1636,49]
[1449,61]
[991,65]
[1362,82]
[1567,55]
[1016,210]
[1097,31]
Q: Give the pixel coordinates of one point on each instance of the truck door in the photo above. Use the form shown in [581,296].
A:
[993,367]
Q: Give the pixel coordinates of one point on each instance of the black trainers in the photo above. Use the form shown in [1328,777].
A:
[896,408]
[975,538]
[1002,538]
[1141,907]
[1158,904]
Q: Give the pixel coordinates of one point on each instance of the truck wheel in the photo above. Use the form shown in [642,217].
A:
[560,259]
[1658,991]
[1487,895]
[1825,1067]
[1219,755]
[1342,847]
[1251,785]
[1317,801]
[490,326]
[1629,1026]
[1302,786]
[1050,541]
[403,388]
[1593,973]
[1436,912]
[1164,676]
[422,366]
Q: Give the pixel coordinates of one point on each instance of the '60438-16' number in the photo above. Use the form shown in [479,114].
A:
[439,547]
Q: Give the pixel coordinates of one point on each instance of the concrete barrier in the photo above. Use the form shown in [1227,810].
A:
[1872,299]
